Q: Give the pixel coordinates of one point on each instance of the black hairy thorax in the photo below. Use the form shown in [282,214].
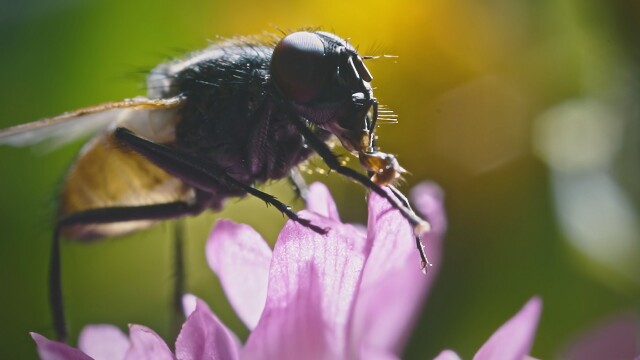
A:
[233,116]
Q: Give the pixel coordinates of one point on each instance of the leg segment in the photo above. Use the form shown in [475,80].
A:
[420,226]
[102,216]
[423,257]
[179,274]
[200,173]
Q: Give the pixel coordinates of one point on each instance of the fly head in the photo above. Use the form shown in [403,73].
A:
[327,83]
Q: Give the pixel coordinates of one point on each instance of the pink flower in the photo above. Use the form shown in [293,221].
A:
[512,341]
[353,293]
[617,337]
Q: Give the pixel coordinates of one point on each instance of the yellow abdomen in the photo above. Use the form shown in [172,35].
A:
[107,175]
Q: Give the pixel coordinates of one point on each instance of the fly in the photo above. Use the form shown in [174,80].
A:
[238,113]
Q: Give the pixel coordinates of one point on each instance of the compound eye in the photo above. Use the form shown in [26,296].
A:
[299,67]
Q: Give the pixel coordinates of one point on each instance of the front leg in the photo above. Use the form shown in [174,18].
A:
[419,245]
[397,200]
[200,173]
[420,226]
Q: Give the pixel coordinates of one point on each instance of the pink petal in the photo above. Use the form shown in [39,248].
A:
[371,354]
[393,267]
[54,350]
[240,258]
[147,345]
[295,330]
[616,338]
[103,342]
[312,284]
[203,336]
[428,199]
[321,202]
[189,302]
[447,355]
[514,339]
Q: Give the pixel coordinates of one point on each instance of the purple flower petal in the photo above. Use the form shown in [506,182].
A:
[428,200]
[372,354]
[393,267]
[321,202]
[312,284]
[189,302]
[514,339]
[616,338]
[240,258]
[54,350]
[146,345]
[447,355]
[103,342]
[295,330]
[203,336]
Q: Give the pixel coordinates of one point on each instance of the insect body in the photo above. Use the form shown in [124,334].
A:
[214,124]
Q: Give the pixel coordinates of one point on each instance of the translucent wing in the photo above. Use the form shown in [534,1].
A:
[149,117]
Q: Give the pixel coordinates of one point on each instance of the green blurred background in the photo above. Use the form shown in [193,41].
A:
[525,112]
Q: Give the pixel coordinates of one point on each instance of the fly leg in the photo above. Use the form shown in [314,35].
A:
[425,264]
[105,216]
[179,276]
[419,225]
[397,200]
[201,173]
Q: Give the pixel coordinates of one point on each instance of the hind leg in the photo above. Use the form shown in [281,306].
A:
[104,216]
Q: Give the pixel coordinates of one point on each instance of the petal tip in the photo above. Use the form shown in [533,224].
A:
[321,202]
[37,337]
[533,307]
[514,338]
[189,303]
[447,355]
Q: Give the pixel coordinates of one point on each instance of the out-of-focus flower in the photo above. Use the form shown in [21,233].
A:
[512,341]
[352,293]
[615,338]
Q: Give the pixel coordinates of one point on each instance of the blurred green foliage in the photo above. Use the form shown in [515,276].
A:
[469,83]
